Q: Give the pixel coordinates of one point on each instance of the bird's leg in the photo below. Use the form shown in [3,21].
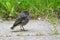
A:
[22,28]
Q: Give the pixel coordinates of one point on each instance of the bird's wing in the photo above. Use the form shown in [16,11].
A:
[19,21]
[20,18]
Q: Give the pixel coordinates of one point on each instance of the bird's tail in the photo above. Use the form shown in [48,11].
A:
[12,28]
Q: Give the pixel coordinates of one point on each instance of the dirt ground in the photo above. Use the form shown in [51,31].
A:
[33,28]
[55,37]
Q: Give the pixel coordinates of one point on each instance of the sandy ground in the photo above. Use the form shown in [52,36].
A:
[34,28]
[56,37]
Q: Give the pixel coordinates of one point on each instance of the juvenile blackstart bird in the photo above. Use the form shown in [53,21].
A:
[21,20]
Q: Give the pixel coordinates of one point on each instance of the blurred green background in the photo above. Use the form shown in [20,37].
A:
[38,8]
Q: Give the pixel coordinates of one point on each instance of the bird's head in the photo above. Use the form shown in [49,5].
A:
[25,12]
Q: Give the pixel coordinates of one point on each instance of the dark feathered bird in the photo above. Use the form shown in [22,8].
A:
[22,19]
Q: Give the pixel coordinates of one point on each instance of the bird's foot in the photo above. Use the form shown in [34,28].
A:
[23,30]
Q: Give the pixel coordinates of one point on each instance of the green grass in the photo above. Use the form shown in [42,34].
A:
[37,8]
[39,34]
[54,31]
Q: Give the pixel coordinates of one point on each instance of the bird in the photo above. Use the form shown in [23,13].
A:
[22,19]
